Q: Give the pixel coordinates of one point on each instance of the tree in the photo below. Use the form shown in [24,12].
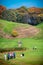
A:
[8,15]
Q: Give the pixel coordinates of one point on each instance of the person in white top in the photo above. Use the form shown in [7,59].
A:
[5,56]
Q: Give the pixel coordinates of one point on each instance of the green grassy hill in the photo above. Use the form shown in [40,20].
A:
[7,27]
[33,57]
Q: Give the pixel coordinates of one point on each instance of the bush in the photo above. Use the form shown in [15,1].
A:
[12,49]
[9,15]
[14,33]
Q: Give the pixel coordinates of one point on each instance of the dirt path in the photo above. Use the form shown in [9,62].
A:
[22,32]
[27,32]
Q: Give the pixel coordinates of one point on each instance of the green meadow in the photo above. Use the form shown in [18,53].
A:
[31,57]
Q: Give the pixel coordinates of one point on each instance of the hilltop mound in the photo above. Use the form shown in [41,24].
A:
[35,10]
[23,15]
[22,9]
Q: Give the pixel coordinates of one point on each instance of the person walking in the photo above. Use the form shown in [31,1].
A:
[8,56]
[14,55]
[5,56]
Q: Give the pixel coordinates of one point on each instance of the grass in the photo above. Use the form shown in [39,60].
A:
[40,35]
[8,26]
[32,57]
[26,42]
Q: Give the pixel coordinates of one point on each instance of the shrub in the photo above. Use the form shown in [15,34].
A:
[12,49]
[2,8]
[9,15]
[14,33]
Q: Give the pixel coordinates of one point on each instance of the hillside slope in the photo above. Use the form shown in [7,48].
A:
[24,30]
[32,57]
[7,27]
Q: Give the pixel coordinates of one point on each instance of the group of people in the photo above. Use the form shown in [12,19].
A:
[10,55]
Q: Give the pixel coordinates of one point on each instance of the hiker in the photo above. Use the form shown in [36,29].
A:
[19,43]
[14,55]
[34,48]
[22,55]
[5,56]
[8,56]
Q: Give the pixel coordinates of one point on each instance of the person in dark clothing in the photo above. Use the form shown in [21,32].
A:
[14,55]
[8,56]
[22,54]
